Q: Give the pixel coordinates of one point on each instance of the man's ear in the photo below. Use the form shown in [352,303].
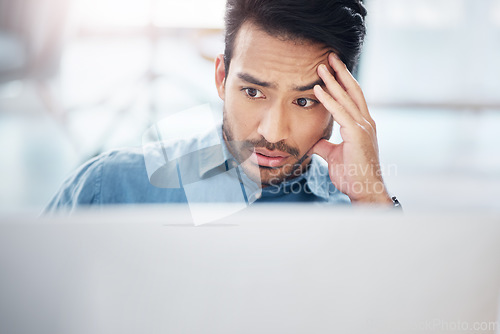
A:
[220,76]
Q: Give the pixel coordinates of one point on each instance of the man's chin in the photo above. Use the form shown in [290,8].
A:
[271,176]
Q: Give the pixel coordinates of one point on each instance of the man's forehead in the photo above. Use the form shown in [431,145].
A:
[261,53]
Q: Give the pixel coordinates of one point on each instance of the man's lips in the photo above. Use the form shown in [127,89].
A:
[269,158]
[271,154]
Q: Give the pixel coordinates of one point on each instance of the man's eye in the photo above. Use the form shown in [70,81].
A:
[253,93]
[305,103]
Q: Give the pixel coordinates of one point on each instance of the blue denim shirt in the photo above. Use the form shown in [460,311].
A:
[199,169]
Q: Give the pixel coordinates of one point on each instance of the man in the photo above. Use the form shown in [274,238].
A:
[284,78]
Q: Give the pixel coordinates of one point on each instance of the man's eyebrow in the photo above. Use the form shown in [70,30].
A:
[310,86]
[250,79]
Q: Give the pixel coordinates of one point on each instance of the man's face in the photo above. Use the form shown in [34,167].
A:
[271,116]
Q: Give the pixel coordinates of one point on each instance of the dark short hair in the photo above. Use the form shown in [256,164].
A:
[338,24]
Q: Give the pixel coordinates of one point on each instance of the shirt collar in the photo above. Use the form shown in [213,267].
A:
[213,156]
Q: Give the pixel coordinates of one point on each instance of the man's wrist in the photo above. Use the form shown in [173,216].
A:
[382,199]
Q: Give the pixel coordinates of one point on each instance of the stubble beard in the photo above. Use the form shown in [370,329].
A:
[267,176]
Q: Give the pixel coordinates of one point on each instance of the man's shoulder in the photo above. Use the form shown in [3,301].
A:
[122,160]
[124,179]
[114,177]
[123,164]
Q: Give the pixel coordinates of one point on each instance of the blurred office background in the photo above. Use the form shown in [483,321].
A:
[79,77]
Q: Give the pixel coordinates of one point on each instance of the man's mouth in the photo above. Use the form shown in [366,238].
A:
[268,158]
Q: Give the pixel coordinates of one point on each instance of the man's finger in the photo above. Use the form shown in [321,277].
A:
[323,148]
[338,112]
[339,94]
[352,87]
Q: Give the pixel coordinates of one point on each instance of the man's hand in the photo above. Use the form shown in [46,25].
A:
[353,165]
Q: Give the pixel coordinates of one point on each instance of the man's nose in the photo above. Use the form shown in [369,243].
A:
[274,123]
